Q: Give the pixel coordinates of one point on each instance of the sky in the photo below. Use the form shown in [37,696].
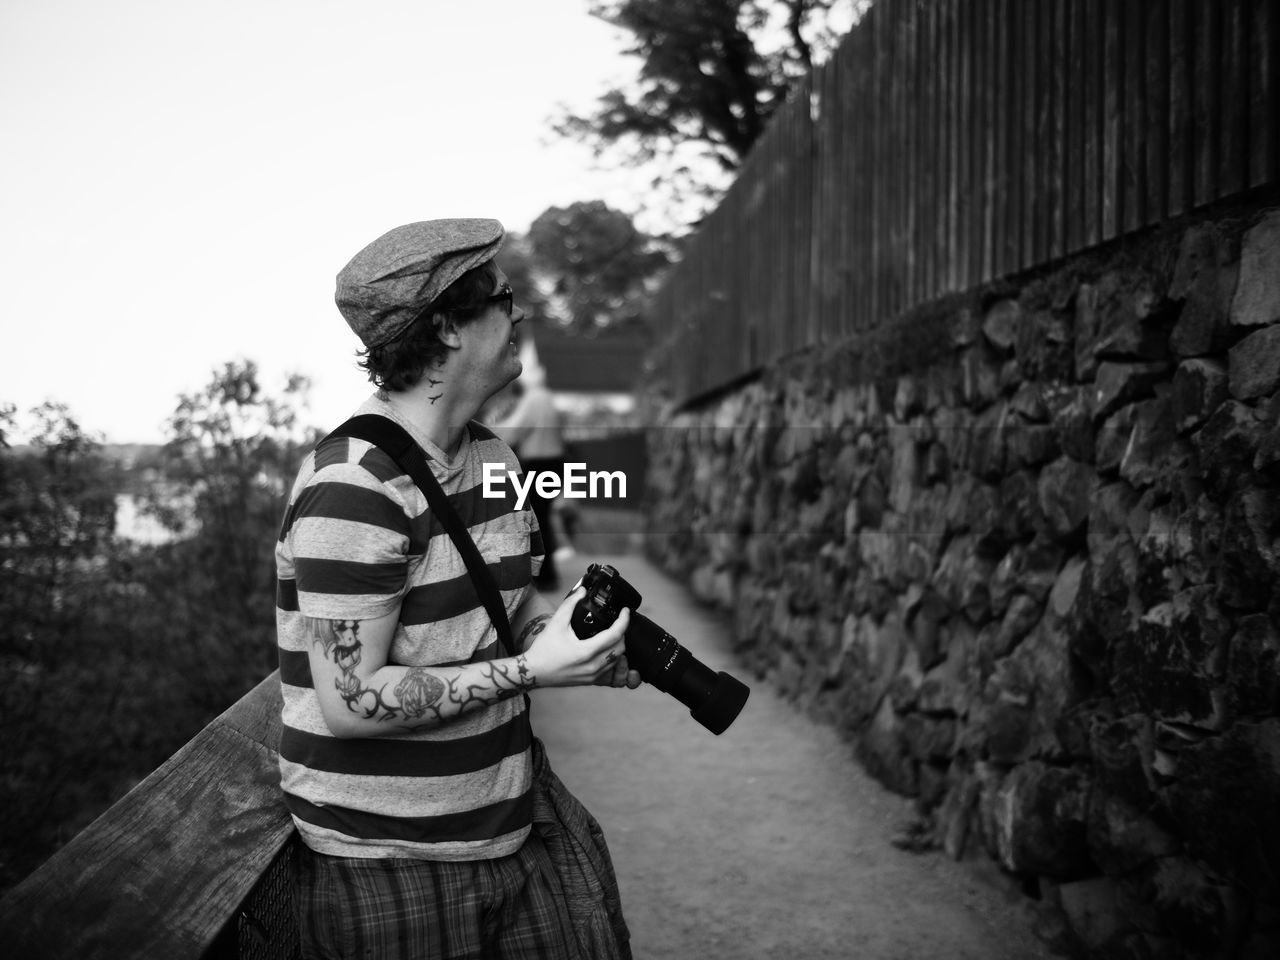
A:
[181,181]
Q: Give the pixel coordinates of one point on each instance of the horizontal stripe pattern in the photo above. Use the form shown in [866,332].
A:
[401,798]
[457,595]
[335,844]
[388,756]
[347,577]
[295,668]
[357,541]
[481,823]
[405,797]
[295,665]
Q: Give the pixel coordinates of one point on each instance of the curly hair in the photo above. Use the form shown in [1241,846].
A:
[400,363]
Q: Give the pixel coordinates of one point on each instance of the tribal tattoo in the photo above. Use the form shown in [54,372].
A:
[423,696]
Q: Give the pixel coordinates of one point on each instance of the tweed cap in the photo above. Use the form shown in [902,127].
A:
[392,281]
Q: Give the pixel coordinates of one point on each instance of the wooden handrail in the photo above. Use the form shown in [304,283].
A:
[161,872]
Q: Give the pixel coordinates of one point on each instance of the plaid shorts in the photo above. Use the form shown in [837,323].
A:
[402,909]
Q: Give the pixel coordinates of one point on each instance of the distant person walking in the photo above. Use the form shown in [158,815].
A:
[535,431]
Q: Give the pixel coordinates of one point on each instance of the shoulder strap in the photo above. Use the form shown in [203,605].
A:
[393,440]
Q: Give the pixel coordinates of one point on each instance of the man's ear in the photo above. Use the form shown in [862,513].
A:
[449,332]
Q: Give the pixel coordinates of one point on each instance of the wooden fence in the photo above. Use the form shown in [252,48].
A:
[948,143]
[190,865]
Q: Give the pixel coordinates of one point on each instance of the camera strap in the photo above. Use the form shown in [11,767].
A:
[393,440]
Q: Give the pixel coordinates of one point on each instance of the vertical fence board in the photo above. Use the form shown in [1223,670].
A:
[941,155]
[1046,97]
[928,159]
[876,17]
[1134,167]
[802,190]
[892,174]
[842,173]
[926,164]
[848,175]
[1272,112]
[1056,56]
[1092,40]
[838,231]
[954,151]
[1073,89]
[968,144]
[1028,157]
[1262,92]
[823,262]
[1206,29]
[988,58]
[912,121]
[907,145]
[789,213]
[861,181]
[1233,157]
[1112,118]
[1015,87]
[1156,116]
[1036,157]
[829,219]
[822,229]
[1178,159]
[978,137]
[757,181]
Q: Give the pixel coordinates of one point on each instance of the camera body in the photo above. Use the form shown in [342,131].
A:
[714,699]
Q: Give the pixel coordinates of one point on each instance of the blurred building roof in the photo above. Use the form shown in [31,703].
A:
[608,361]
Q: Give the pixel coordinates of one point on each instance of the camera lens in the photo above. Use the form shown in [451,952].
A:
[714,699]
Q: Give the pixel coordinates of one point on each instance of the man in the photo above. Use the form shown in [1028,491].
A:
[406,752]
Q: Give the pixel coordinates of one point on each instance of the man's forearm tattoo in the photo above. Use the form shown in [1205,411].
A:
[531,630]
[422,696]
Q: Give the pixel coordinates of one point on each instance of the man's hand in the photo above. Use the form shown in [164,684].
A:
[559,658]
[618,674]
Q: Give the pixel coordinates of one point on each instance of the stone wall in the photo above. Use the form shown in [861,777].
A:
[1022,548]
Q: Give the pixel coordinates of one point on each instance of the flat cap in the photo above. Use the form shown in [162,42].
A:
[392,281]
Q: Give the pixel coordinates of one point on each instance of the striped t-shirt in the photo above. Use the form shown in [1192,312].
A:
[358,541]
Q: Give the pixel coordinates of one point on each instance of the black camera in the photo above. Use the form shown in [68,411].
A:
[713,699]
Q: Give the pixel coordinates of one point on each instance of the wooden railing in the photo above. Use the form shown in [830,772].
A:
[169,870]
[950,143]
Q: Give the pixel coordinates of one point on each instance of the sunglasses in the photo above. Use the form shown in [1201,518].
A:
[505,297]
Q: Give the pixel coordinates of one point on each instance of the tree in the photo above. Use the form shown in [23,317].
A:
[114,654]
[226,474]
[64,653]
[598,263]
[57,513]
[711,73]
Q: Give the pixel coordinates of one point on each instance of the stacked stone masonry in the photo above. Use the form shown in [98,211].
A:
[1023,550]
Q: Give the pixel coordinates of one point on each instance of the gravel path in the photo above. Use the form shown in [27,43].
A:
[768,841]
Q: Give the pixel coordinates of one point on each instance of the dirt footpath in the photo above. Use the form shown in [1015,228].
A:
[767,841]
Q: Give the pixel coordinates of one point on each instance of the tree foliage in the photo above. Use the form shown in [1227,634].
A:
[710,75]
[62,664]
[227,467]
[598,262]
[115,653]
[57,512]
